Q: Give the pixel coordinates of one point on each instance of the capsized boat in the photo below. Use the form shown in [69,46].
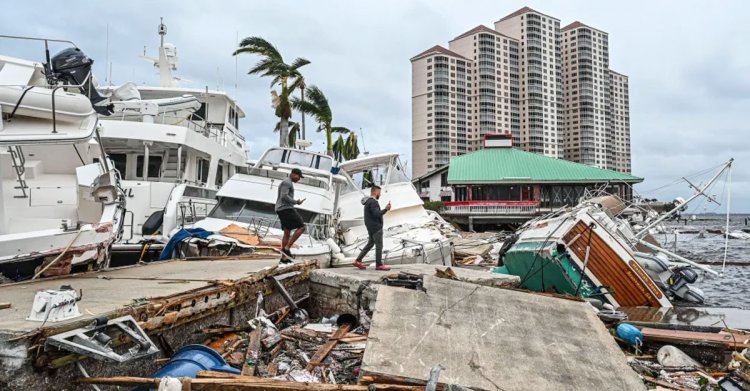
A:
[590,251]
[61,205]
[411,234]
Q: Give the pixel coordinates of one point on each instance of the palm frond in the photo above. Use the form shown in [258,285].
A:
[340,129]
[298,62]
[260,46]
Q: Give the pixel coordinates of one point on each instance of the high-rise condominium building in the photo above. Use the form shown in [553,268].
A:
[620,120]
[551,88]
[540,75]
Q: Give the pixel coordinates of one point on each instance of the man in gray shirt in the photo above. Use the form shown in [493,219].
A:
[288,216]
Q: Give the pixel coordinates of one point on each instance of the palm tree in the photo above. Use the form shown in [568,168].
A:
[316,105]
[346,149]
[287,76]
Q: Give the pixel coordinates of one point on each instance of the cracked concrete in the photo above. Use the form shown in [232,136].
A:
[493,339]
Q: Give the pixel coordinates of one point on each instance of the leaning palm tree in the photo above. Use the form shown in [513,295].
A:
[294,132]
[316,105]
[346,149]
[287,76]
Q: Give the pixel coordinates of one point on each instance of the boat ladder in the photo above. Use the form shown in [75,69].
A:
[18,160]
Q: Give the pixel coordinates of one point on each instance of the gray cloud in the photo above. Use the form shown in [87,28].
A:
[687,61]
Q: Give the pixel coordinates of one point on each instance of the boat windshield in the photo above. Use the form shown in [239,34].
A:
[381,174]
[297,158]
[256,212]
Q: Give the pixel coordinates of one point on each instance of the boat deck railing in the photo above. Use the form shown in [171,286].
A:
[490,208]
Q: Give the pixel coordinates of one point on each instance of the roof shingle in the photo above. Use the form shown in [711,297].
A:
[437,49]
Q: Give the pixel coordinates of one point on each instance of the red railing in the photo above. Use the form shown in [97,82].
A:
[499,208]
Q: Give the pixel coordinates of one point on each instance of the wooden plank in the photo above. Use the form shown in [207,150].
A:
[4,306]
[728,341]
[252,356]
[236,382]
[323,351]
[665,384]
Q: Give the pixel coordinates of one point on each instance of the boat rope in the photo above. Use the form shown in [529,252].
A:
[23,94]
[590,228]
[726,230]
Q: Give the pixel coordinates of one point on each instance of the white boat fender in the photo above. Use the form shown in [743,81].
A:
[335,249]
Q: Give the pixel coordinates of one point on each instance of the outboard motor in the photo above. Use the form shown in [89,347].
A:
[72,66]
[681,278]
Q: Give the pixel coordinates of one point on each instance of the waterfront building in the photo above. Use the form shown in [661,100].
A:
[500,184]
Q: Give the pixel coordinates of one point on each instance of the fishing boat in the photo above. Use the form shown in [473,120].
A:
[61,204]
[244,221]
[589,251]
[411,234]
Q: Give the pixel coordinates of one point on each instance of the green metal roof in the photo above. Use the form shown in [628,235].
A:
[510,165]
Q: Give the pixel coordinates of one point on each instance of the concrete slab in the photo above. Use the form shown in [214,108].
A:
[493,339]
[348,289]
[108,290]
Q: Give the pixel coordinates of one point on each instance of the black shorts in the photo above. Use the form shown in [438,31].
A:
[290,219]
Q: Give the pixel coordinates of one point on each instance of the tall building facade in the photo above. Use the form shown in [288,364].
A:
[540,76]
[550,87]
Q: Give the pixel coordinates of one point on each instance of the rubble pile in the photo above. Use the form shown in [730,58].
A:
[329,351]
[660,357]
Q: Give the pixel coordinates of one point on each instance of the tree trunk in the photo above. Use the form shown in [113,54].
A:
[329,141]
[304,136]
[284,132]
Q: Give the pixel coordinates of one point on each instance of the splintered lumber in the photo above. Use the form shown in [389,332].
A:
[211,382]
[322,353]
[665,384]
[447,273]
[723,339]
[253,352]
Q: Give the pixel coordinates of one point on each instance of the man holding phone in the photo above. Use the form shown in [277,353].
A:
[288,216]
[374,223]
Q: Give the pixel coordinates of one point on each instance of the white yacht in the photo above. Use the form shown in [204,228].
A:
[61,206]
[173,147]
[410,232]
[244,219]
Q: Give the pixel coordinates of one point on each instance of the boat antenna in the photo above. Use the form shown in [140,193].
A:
[726,229]
[165,68]
[698,192]
[107,76]
[364,147]
[236,63]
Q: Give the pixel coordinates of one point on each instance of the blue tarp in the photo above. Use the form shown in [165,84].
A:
[180,236]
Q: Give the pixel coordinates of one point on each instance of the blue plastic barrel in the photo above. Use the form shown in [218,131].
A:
[191,359]
[630,334]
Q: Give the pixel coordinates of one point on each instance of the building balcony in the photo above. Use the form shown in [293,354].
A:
[490,208]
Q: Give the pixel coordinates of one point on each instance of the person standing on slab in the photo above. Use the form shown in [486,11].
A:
[288,216]
[374,223]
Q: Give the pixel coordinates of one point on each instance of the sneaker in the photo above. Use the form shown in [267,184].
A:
[360,265]
[383,268]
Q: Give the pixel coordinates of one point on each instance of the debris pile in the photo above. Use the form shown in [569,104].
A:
[329,351]
[688,360]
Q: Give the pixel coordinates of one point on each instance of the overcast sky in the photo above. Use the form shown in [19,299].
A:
[688,63]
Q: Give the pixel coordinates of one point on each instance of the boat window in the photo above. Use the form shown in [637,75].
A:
[120,160]
[254,212]
[154,166]
[202,170]
[201,112]
[298,158]
[199,192]
[397,174]
[219,175]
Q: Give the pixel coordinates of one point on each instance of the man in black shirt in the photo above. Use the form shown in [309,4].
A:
[288,216]
[374,223]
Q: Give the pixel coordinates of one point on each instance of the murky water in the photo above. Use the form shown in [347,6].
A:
[732,289]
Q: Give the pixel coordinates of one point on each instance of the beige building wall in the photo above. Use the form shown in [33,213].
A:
[440,126]
[586,79]
[494,103]
[540,79]
[620,101]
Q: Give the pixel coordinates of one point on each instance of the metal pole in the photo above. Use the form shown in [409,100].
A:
[304,135]
[678,257]
[145,161]
[700,192]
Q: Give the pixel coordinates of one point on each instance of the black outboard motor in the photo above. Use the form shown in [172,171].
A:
[72,66]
